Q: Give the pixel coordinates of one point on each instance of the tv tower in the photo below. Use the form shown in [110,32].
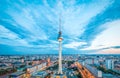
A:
[60,47]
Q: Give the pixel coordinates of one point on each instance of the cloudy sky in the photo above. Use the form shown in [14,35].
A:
[31,26]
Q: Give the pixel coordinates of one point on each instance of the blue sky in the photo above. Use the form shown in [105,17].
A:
[31,26]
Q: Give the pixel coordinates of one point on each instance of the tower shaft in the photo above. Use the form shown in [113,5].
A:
[60,58]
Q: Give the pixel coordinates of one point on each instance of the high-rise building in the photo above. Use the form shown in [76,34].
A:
[89,61]
[110,64]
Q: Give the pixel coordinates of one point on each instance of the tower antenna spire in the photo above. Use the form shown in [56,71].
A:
[60,22]
[60,29]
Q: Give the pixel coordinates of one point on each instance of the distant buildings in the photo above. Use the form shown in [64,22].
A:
[32,69]
[92,61]
[89,61]
[34,63]
[29,71]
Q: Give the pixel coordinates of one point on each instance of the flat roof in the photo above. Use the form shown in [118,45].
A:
[17,73]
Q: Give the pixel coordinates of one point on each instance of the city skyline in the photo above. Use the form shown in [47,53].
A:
[31,27]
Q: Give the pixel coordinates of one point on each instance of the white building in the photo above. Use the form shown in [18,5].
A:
[99,74]
[89,61]
[32,69]
[110,64]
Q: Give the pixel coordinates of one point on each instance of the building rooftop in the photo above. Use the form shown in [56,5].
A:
[17,73]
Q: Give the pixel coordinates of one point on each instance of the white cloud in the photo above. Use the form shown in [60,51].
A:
[10,38]
[25,19]
[75,18]
[33,18]
[109,51]
[109,37]
[74,45]
[5,33]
